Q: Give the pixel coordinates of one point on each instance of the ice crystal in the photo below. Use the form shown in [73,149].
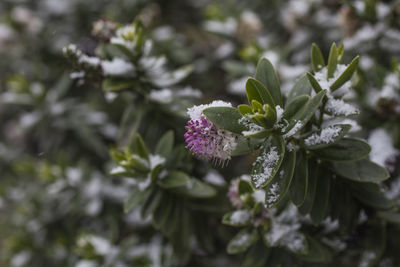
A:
[326,136]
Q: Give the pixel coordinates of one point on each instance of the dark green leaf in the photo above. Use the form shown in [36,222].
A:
[265,73]
[317,252]
[225,117]
[257,256]
[321,200]
[196,189]
[165,145]
[371,195]
[294,106]
[174,179]
[134,198]
[244,187]
[299,185]
[113,85]
[361,171]
[151,202]
[268,162]
[346,149]
[390,216]
[246,145]
[313,171]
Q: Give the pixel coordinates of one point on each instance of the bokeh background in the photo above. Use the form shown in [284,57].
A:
[58,204]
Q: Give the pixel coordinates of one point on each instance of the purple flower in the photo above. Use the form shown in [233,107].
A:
[205,139]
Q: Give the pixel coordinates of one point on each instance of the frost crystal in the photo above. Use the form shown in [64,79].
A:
[274,193]
[339,108]
[268,161]
[253,128]
[207,140]
[326,136]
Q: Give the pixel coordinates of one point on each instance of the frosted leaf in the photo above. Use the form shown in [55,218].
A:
[273,194]
[294,130]
[195,112]
[251,126]
[326,136]
[259,195]
[338,107]
[268,161]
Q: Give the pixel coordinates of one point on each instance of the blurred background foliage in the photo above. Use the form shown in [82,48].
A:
[60,207]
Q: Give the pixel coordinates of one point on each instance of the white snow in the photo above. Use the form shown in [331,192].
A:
[117,67]
[213,177]
[259,195]
[240,217]
[253,128]
[156,160]
[294,130]
[163,96]
[195,112]
[383,151]
[326,136]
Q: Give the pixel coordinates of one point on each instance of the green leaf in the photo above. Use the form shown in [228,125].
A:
[140,147]
[155,172]
[246,145]
[294,106]
[165,144]
[346,75]
[174,179]
[390,216]
[321,200]
[361,171]
[245,109]
[305,114]
[325,137]
[151,202]
[268,162]
[162,211]
[244,187]
[299,185]
[225,117]
[114,85]
[278,187]
[313,171]
[346,149]
[370,195]
[265,73]
[314,83]
[375,244]
[317,59]
[134,198]
[196,189]
[301,87]
[332,61]
[242,241]
[257,91]
[238,218]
